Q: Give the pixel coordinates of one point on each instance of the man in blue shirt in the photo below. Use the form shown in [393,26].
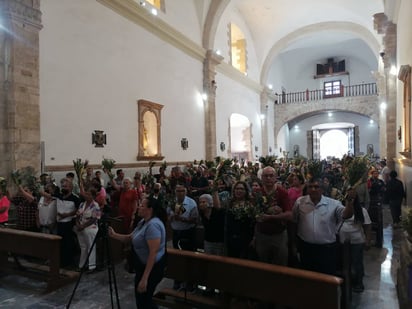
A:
[183,216]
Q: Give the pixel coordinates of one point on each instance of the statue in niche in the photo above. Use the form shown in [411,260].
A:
[145,141]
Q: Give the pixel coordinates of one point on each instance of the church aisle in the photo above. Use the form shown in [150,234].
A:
[381,266]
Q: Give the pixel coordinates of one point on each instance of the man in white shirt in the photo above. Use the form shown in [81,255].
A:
[316,217]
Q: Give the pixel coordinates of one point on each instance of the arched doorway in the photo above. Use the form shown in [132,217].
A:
[330,140]
[333,143]
[240,137]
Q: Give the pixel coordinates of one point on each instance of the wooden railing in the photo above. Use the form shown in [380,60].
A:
[319,94]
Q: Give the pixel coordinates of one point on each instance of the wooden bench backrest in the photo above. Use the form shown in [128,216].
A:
[243,278]
[29,243]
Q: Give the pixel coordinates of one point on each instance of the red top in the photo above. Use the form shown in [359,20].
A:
[127,202]
[279,198]
[4,204]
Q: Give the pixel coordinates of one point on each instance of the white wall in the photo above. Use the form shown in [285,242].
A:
[404,57]
[94,66]
[186,16]
[222,40]
[231,98]
[282,141]
[298,66]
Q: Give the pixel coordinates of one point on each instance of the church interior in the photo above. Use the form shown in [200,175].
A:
[144,82]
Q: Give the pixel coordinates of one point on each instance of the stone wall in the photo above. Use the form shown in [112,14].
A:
[364,105]
[19,94]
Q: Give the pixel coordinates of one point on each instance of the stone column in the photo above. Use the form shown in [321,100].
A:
[209,87]
[388,54]
[264,108]
[19,91]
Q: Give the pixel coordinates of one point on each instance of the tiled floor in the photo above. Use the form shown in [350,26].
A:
[380,271]
[93,290]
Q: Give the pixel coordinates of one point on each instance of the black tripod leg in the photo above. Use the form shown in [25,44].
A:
[111,272]
[82,271]
[106,252]
[110,267]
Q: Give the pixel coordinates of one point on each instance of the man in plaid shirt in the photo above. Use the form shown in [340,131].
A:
[26,207]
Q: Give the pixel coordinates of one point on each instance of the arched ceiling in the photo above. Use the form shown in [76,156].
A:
[278,26]
[271,20]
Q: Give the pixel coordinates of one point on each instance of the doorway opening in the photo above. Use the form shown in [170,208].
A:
[333,143]
[240,137]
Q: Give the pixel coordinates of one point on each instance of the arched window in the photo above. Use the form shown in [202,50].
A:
[238,54]
[149,130]
[158,4]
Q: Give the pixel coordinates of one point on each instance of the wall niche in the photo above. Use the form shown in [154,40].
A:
[150,121]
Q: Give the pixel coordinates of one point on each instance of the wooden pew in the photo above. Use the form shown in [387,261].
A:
[39,245]
[246,279]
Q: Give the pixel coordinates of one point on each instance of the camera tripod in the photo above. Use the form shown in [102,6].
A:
[107,259]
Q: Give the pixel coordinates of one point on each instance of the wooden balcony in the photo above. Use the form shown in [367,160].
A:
[319,94]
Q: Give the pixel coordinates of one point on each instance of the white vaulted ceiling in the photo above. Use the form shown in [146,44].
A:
[270,21]
[330,27]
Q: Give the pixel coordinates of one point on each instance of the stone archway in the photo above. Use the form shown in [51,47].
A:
[281,44]
[363,105]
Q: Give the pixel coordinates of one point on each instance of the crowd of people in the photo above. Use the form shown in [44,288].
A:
[280,213]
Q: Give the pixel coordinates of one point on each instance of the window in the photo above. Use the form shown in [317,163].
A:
[157,4]
[238,56]
[332,89]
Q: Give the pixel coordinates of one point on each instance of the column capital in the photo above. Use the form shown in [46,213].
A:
[22,11]
[213,58]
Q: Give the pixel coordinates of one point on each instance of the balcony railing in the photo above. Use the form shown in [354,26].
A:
[318,95]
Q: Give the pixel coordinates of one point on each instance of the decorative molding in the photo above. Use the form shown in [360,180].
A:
[156,109]
[404,161]
[404,71]
[27,12]
[233,73]
[68,168]
[406,154]
[151,158]
[142,17]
